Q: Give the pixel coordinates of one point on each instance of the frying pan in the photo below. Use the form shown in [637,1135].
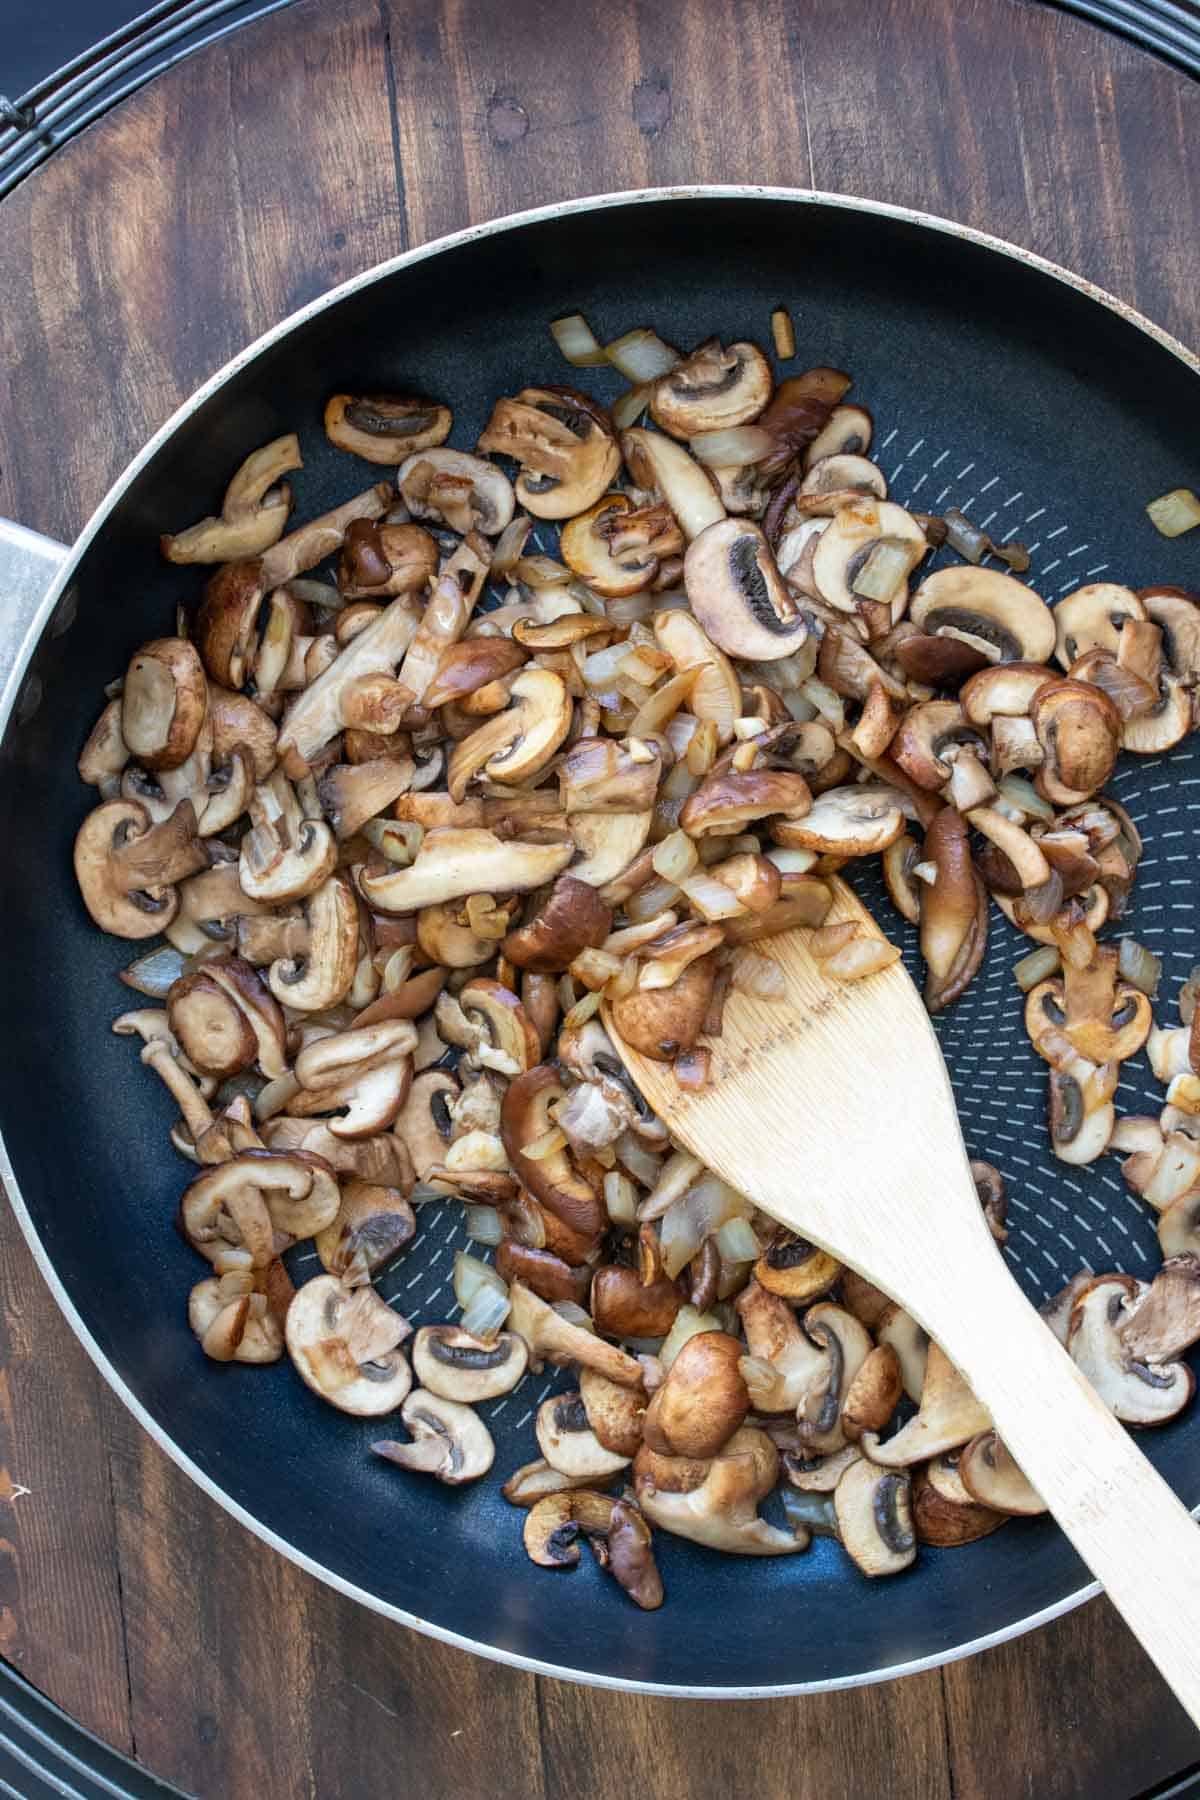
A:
[1048,413]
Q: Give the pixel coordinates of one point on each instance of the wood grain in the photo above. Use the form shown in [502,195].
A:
[244,181]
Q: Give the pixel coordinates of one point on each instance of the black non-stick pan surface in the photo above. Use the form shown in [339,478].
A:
[997,386]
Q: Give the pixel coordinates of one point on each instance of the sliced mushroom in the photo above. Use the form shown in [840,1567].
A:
[601,775]
[1137,1392]
[614,1413]
[1080,1110]
[846,821]
[664,1022]
[1164,724]
[334,698]
[875,1518]
[721,1510]
[233,1322]
[794,1268]
[899,1330]
[847,432]
[345,1343]
[385,428]
[451,1362]
[945,1512]
[618,548]
[727,804]
[128,868]
[623,1305]
[453,862]
[785,1364]
[873,1394]
[535,1481]
[449,1440]
[225,1019]
[929,737]
[990,606]
[663,467]
[552,1338]
[253,513]
[606,843]
[163,703]
[1165,1321]
[424,1124]
[1091,619]
[569,1444]
[240,1204]
[321,975]
[1056,1311]
[991,1476]
[552,1179]
[953,912]
[1080,731]
[237,723]
[846,1345]
[949,1414]
[284,855]
[352,793]
[713,389]
[565,444]
[518,741]
[363,1075]
[815,1472]
[842,551]
[736,591]
[703,1400]
[372,1226]
[572,918]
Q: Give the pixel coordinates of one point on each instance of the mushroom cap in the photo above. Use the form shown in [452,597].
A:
[454,488]
[568,1443]
[458,1366]
[385,428]
[213,1032]
[163,703]
[846,821]
[449,1440]
[372,1226]
[712,389]
[571,918]
[226,624]
[795,1269]
[1091,619]
[563,440]
[736,591]
[875,1518]
[873,1393]
[1137,1392]
[345,1343]
[614,1413]
[237,722]
[1003,690]
[703,1400]
[623,1305]
[953,912]
[988,605]
[945,1513]
[663,1022]
[1079,730]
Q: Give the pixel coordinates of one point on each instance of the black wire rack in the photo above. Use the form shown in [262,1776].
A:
[34,124]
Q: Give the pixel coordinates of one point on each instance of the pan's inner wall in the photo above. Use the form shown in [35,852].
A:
[972,362]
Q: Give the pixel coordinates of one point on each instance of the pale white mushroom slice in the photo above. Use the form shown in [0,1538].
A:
[1137,1392]
[449,1440]
[454,861]
[568,1443]
[345,1344]
[459,1366]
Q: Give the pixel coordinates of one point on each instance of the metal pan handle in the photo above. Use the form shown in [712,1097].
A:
[29,564]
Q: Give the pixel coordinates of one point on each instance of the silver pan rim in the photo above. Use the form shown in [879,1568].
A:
[12,684]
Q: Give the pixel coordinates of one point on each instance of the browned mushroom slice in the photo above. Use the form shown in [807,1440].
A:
[233,1322]
[945,1512]
[713,389]
[1164,724]
[736,591]
[989,1185]
[339,696]
[1079,730]
[949,1414]
[237,723]
[373,1225]
[571,919]
[847,432]
[163,703]
[284,855]
[899,863]
[225,1018]
[449,1440]
[552,1179]
[1057,1310]
[565,444]
[794,1268]
[345,1343]
[127,868]
[321,537]
[385,428]
[875,1518]
[241,1203]
[518,741]
[1102,1020]
[1137,1392]
[725,805]
[469,666]
[1091,618]
[352,793]
[721,1509]
[953,912]
[990,1475]
[1165,1322]
[663,468]
[1177,615]
[622,1305]
[846,821]
[873,1393]
[458,1366]
[105,753]
[253,513]
[703,1400]
[551,1338]
[1079,1108]
[453,862]
[929,736]
[910,1341]
[601,775]
[986,605]
[568,1443]
[535,1481]
[618,548]
[854,540]
[614,1413]
[663,1022]
[320,974]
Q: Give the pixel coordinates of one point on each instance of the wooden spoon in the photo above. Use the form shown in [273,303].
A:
[832,1110]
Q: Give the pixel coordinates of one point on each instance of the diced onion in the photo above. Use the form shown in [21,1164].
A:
[275,1096]
[641,1163]
[711,898]
[733,448]
[574,1314]
[1138,965]
[620,1198]
[547,1144]
[470,1275]
[758,975]
[641,355]
[864,956]
[628,408]
[737,1242]
[648,902]
[601,668]
[541,572]
[583,1010]
[1039,965]
[792,862]
[577,342]
[762,1380]
[676,857]
[484,1225]
[830,705]
[156,973]
[486,1313]
[1023,795]
[688,1324]
[964,536]
[884,572]
[701,1212]
[397,839]
[1174,513]
[675,1177]
[510,545]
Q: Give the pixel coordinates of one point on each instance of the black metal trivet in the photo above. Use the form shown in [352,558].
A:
[44,1755]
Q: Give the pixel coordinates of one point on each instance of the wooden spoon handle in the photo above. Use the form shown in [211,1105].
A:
[1119,1513]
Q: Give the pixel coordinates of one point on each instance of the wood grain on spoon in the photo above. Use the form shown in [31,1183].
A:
[832,1110]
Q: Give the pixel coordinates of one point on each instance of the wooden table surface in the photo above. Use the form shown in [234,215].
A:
[239,185]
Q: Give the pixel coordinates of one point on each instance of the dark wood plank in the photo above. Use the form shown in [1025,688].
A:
[60,1601]
[238,186]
